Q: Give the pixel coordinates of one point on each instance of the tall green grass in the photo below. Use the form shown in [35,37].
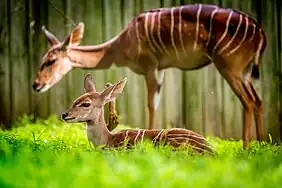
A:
[50,153]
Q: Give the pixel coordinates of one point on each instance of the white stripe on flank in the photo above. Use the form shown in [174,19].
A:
[254,32]
[147,32]
[159,34]
[259,48]
[225,32]
[152,32]
[142,137]
[171,32]
[197,27]
[126,135]
[159,134]
[136,137]
[210,30]
[165,132]
[180,31]
[138,38]
[235,34]
[243,39]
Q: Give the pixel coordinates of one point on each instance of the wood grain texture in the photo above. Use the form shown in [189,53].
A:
[5,44]
[18,60]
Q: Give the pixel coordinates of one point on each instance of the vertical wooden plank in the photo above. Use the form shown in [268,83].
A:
[4,65]
[93,34]
[112,26]
[193,109]
[231,112]
[38,48]
[133,105]
[279,19]
[143,111]
[211,96]
[75,14]
[29,46]
[18,60]
[147,4]
[56,25]
[270,78]
[172,90]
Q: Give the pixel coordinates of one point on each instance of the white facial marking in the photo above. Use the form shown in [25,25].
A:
[86,114]
[45,88]
[67,66]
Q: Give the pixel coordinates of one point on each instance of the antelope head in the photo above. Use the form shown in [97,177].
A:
[56,62]
[89,106]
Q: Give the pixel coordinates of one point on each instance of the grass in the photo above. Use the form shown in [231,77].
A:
[50,153]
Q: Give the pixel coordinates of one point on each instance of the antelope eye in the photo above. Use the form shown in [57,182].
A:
[50,62]
[84,105]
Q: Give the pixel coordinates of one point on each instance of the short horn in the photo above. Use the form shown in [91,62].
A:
[50,37]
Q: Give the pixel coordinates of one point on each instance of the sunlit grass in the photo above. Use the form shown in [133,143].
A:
[50,153]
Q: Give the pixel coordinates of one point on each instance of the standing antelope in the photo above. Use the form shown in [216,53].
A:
[89,108]
[186,37]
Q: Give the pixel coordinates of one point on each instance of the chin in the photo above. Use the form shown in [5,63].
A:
[73,120]
[44,88]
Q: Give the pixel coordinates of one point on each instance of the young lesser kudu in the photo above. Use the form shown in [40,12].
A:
[187,37]
[89,108]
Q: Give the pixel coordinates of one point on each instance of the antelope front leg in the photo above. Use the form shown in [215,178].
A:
[154,80]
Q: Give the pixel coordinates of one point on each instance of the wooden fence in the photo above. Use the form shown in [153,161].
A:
[199,100]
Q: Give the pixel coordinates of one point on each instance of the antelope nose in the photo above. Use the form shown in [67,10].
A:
[64,115]
[34,86]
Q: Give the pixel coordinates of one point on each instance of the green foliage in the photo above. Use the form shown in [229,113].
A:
[50,153]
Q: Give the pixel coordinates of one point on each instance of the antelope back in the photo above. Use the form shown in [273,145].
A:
[174,137]
[179,32]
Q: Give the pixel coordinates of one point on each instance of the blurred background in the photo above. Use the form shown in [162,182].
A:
[198,100]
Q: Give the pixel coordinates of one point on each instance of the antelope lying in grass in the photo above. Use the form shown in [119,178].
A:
[89,108]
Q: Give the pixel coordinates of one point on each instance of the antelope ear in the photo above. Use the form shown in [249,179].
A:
[50,37]
[74,38]
[112,92]
[88,83]
[77,34]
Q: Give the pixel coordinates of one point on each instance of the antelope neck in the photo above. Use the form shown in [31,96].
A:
[99,56]
[97,131]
